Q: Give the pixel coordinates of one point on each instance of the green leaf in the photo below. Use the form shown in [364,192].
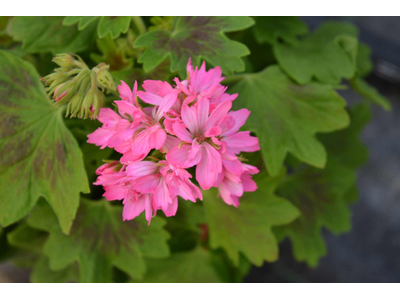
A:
[270,29]
[370,93]
[99,239]
[328,54]
[364,62]
[196,38]
[42,273]
[319,195]
[193,266]
[113,25]
[323,196]
[47,34]
[27,238]
[247,229]
[285,116]
[38,155]
[83,22]
[107,25]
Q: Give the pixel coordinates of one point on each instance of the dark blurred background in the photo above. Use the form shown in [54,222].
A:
[370,252]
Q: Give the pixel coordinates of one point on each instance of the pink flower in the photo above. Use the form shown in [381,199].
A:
[187,125]
[232,185]
[199,131]
[202,83]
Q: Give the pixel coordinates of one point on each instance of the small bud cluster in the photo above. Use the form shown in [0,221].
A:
[73,83]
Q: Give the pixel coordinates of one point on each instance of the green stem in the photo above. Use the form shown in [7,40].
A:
[140,26]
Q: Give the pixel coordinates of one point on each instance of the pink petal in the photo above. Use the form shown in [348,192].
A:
[240,117]
[242,142]
[189,117]
[146,184]
[178,156]
[150,98]
[133,208]
[141,168]
[218,114]
[182,133]
[125,92]
[172,208]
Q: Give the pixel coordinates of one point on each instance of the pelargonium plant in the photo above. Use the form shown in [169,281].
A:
[231,126]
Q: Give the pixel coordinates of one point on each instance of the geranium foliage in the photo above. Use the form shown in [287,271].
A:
[198,167]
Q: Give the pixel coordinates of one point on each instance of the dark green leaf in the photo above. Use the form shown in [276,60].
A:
[323,196]
[247,229]
[196,38]
[38,155]
[345,145]
[364,62]
[99,239]
[328,54]
[270,29]
[42,273]
[27,238]
[370,93]
[47,34]
[318,194]
[285,116]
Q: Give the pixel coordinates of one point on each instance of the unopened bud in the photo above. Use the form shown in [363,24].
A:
[64,60]
[104,78]
[73,83]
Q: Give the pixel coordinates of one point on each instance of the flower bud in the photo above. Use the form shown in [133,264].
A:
[64,60]
[104,78]
[73,83]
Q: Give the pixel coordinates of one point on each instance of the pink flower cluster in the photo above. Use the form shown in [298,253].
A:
[184,126]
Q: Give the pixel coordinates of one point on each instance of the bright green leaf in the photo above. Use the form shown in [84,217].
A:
[83,22]
[38,155]
[114,26]
[285,116]
[47,34]
[107,25]
[99,239]
[328,54]
[370,93]
[196,38]
[247,229]
[270,29]
[193,266]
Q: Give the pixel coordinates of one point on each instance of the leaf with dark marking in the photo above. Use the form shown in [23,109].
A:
[247,229]
[100,240]
[38,154]
[323,196]
[285,116]
[196,38]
